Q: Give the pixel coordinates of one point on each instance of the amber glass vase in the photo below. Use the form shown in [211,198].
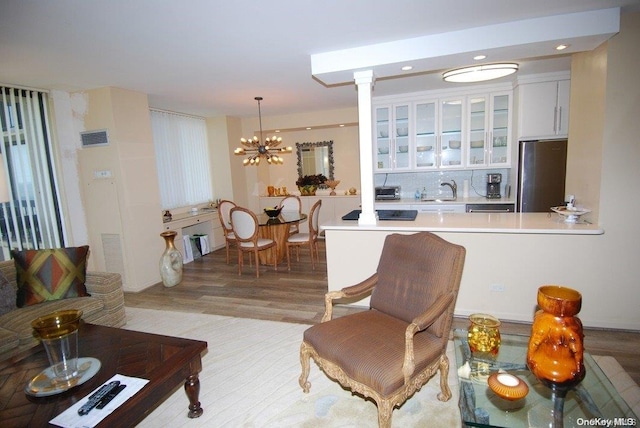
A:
[555,352]
[484,334]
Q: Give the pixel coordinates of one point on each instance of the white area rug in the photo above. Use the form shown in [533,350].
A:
[250,379]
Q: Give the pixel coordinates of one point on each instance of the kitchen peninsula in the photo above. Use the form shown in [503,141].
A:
[509,255]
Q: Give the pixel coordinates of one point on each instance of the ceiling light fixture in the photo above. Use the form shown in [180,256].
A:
[256,149]
[407,68]
[479,73]
[479,57]
[561,47]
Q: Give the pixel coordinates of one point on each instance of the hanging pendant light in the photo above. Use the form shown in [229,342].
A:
[259,148]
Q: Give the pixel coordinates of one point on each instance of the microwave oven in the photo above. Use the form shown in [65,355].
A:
[386,193]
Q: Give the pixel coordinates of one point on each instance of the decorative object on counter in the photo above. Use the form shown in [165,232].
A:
[166,216]
[570,213]
[332,185]
[555,351]
[271,191]
[308,184]
[256,149]
[170,261]
[273,212]
[58,332]
[352,191]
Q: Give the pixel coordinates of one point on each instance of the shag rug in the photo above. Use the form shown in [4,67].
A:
[250,379]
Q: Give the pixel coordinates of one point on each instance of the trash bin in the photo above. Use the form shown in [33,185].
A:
[200,245]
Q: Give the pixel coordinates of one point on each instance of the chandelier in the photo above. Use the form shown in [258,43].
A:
[256,149]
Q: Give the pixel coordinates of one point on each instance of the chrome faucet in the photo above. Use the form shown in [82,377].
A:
[454,188]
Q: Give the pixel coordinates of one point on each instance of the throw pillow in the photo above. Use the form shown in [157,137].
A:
[7,295]
[51,274]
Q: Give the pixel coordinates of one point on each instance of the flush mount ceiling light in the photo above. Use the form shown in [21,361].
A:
[479,73]
[256,149]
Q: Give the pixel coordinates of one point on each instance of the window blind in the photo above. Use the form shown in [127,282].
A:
[182,158]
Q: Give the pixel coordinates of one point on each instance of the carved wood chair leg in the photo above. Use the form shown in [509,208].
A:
[288,257]
[257,263]
[240,261]
[445,392]
[305,359]
[384,414]
[226,244]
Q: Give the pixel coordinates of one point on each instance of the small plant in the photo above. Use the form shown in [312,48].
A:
[311,180]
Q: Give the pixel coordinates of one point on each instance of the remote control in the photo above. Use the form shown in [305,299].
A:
[110,396]
[95,398]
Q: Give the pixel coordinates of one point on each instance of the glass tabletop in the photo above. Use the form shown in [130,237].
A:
[595,400]
[285,217]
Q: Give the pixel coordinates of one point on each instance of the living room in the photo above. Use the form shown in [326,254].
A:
[129,205]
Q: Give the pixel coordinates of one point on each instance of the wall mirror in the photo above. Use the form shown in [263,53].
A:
[315,158]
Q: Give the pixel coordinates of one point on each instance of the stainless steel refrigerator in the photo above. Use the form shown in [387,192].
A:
[542,167]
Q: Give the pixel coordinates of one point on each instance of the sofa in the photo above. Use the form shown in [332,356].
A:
[104,306]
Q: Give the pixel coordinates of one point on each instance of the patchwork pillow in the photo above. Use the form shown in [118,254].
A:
[7,295]
[50,274]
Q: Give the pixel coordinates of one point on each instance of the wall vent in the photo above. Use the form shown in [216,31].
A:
[95,138]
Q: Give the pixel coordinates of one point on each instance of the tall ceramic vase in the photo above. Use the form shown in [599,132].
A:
[170,261]
[555,352]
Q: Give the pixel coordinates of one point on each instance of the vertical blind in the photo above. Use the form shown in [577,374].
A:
[182,158]
[30,215]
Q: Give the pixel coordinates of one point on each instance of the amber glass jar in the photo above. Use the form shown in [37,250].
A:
[484,334]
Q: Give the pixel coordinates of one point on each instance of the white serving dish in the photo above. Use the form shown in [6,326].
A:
[570,214]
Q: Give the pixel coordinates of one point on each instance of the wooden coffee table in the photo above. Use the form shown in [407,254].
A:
[167,362]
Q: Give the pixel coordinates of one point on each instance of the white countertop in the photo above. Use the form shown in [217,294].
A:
[513,223]
[458,201]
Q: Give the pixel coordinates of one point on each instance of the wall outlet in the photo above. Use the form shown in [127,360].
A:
[102,174]
[497,288]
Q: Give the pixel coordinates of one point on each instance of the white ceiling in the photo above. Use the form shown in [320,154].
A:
[212,57]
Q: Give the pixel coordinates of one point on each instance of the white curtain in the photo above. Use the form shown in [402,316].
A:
[182,157]
[30,217]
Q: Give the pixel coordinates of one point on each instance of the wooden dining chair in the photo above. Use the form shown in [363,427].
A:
[224,214]
[292,203]
[311,239]
[245,228]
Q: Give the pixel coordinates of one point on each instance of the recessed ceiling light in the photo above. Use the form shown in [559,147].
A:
[407,68]
[561,47]
[479,73]
[308,128]
[479,57]
[341,125]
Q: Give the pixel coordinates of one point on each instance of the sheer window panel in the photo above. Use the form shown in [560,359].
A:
[182,157]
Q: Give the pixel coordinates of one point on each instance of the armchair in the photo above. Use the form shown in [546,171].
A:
[388,352]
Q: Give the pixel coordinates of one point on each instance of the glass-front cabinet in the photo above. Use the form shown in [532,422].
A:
[461,131]
[451,134]
[392,138]
[489,130]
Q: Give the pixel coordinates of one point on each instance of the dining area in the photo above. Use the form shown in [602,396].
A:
[271,236]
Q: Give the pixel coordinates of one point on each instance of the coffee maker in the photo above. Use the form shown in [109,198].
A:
[493,186]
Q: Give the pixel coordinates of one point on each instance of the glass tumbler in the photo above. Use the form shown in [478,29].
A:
[58,332]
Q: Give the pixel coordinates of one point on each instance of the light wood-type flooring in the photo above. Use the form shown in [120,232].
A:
[211,286]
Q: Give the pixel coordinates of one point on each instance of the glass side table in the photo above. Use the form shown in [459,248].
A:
[594,402]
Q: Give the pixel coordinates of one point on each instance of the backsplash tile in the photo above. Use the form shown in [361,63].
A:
[431,180]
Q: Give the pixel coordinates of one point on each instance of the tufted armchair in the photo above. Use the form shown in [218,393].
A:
[388,352]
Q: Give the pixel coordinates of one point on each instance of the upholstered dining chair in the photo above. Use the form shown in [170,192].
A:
[245,228]
[388,352]
[224,214]
[292,203]
[311,239]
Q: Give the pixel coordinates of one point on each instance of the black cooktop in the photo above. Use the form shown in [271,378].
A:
[403,215]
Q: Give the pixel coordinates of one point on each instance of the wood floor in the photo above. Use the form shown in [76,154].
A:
[210,286]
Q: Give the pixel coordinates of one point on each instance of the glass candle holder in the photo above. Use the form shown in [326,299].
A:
[484,334]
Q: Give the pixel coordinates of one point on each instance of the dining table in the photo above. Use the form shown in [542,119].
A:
[277,228]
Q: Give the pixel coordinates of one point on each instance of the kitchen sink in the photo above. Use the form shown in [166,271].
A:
[446,199]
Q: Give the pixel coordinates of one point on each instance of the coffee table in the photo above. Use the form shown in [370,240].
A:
[167,362]
[595,397]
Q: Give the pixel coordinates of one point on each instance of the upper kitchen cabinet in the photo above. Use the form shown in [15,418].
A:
[451,133]
[489,129]
[543,106]
[392,127]
[438,133]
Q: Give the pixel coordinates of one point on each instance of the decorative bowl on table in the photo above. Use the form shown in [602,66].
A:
[570,214]
[508,386]
[332,185]
[273,212]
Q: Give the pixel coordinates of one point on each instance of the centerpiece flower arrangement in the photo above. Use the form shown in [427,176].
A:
[308,184]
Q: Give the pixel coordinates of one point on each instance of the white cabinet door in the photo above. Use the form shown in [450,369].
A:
[392,139]
[544,109]
[426,135]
